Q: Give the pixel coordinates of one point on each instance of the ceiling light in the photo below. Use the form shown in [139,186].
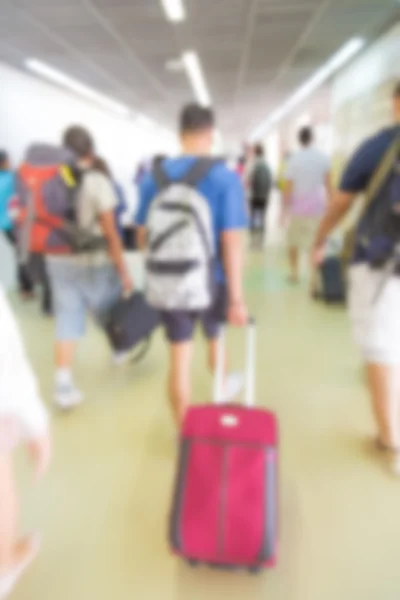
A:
[174,10]
[193,68]
[337,61]
[56,76]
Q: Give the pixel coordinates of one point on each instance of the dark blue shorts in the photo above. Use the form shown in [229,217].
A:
[179,324]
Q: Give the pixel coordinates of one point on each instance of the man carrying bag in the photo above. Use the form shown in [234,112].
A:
[374,282]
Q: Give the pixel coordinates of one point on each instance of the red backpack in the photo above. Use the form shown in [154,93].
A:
[47,187]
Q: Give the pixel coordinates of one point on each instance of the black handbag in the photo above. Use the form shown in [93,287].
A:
[130,325]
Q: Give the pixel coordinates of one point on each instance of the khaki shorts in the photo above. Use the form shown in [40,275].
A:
[302,232]
[376,322]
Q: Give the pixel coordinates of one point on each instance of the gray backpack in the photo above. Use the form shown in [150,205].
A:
[181,244]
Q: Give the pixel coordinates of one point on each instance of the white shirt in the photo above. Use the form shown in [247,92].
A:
[307,169]
[19,395]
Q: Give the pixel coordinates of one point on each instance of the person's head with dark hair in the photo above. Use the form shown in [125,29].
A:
[79,141]
[259,151]
[306,136]
[196,125]
[99,164]
[396,96]
[4,161]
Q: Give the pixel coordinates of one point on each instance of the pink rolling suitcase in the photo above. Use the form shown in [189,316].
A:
[225,506]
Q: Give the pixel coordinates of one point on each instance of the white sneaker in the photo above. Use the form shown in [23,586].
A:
[67,396]
[8,581]
[233,386]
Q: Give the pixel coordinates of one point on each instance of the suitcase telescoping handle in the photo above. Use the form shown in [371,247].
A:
[249,397]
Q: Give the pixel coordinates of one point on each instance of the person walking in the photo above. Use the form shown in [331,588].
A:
[260,184]
[7,194]
[92,281]
[306,192]
[220,198]
[374,282]
[23,421]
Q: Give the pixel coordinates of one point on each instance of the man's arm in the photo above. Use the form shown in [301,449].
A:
[355,180]
[233,260]
[146,194]
[105,202]
[141,233]
[329,187]
[115,248]
[234,220]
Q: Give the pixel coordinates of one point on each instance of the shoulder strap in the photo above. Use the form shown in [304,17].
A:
[68,176]
[196,173]
[382,172]
[199,170]
[161,178]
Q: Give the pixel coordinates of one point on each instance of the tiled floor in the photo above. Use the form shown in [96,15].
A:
[103,508]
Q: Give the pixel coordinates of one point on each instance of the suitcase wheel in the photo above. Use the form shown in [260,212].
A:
[193,563]
[220,567]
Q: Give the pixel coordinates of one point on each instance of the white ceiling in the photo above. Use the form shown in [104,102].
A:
[254,52]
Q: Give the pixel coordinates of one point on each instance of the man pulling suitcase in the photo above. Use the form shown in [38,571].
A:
[191,219]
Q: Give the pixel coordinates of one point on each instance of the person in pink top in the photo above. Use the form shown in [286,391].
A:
[306,191]
[23,420]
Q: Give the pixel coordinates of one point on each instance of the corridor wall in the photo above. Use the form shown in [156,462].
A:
[32,110]
[362,94]
[362,101]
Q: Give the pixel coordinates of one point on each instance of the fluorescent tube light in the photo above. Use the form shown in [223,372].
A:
[73,85]
[335,63]
[174,10]
[194,71]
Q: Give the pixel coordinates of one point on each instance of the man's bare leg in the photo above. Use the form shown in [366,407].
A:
[179,380]
[384,386]
[65,352]
[67,396]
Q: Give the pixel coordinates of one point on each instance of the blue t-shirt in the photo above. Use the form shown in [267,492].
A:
[361,169]
[7,191]
[222,188]
[363,165]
